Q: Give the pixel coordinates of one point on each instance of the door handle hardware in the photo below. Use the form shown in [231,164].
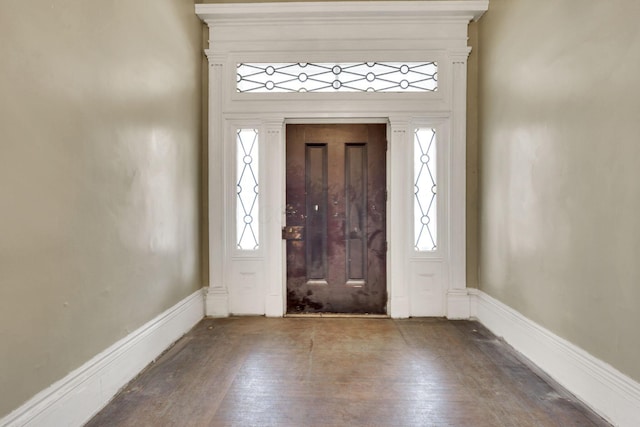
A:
[293,232]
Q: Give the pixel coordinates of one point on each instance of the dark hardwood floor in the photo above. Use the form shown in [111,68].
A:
[342,372]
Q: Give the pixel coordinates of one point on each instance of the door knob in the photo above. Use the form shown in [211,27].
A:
[293,232]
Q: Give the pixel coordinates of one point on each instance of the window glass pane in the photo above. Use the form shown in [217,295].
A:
[425,200]
[338,77]
[247,204]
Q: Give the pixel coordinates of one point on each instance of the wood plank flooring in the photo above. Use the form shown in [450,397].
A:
[254,371]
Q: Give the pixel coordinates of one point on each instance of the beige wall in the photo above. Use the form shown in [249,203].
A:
[559,169]
[472,158]
[100,144]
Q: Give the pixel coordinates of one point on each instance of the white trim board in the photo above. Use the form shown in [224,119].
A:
[221,12]
[74,399]
[610,393]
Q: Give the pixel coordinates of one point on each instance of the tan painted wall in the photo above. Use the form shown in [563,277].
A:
[472,158]
[560,175]
[100,144]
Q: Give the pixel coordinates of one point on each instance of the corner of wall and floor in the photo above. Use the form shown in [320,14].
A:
[78,396]
[607,391]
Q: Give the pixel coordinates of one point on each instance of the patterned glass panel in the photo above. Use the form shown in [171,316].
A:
[338,77]
[247,206]
[425,202]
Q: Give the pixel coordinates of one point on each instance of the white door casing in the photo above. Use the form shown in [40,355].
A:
[418,283]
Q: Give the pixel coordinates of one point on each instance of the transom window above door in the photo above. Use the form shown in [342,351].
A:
[395,77]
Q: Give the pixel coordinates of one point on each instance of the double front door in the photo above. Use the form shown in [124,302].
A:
[335,218]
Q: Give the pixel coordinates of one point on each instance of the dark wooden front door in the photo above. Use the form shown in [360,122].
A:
[336,221]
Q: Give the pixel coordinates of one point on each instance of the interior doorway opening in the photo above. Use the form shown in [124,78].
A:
[261,79]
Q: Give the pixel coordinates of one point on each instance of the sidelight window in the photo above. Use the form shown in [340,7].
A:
[247,202]
[425,190]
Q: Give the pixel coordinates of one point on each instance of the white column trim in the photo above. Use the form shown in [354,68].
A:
[457,296]
[275,305]
[398,207]
[217,297]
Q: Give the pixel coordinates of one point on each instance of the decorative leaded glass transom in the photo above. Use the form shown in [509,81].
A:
[338,77]
[425,190]
[247,206]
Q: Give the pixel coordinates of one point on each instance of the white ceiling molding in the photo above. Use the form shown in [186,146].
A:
[461,9]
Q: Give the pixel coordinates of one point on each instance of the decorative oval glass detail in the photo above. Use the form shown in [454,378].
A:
[398,77]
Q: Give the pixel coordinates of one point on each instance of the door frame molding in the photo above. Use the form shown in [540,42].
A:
[418,284]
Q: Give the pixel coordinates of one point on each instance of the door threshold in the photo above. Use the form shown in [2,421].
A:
[339,315]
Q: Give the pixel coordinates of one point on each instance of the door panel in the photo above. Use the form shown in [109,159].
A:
[316,208]
[336,221]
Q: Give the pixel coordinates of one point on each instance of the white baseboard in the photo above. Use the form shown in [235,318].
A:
[613,395]
[458,304]
[216,302]
[399,308]
[74,399]
[274,306]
